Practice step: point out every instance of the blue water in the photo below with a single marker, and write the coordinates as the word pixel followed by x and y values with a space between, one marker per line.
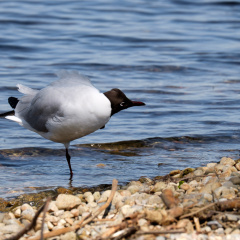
pixel 182 58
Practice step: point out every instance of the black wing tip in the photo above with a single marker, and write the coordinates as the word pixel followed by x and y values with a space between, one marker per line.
pixel 11 113
pixel 13 101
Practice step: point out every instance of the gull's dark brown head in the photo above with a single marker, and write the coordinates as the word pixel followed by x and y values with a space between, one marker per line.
pixel 119 101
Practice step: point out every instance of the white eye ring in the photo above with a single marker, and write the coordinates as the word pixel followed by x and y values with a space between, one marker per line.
pixel 122 104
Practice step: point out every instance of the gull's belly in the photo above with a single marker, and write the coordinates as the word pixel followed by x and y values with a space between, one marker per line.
pixel 71 129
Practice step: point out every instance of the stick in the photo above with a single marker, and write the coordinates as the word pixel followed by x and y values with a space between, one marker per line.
pixel 225 205
pixel 197 211
pixel 197 224
pixel 44 215
pixel 122 225
pixel 85 220
pixel 161 232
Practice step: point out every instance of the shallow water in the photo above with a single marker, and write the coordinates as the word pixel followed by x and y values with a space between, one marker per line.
pixel 180 57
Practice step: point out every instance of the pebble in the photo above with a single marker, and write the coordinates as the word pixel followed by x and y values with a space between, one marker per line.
pixel 159 186
pixel 28 214
pixel 227 161
pixel 66 201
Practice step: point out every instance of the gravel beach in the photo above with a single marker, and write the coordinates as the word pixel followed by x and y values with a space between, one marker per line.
pixel 201 203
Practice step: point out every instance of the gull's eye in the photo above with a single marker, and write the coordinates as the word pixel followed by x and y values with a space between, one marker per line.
pixel 122 104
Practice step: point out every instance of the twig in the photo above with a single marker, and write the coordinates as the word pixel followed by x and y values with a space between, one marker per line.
pixel 85 220
pixel 225 205
pixel 197 224
pixel 125 224
pixel 161 232
pixel 31 225
pixel 127 232
pixel 197 211
pixel 44 215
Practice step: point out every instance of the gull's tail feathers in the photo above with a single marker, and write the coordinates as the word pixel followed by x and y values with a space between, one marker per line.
pixel 26 90
pixel 6 114
pixel 10 116
pixel 14 118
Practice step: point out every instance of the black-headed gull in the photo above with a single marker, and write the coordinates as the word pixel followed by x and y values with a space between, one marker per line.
pixel 67 109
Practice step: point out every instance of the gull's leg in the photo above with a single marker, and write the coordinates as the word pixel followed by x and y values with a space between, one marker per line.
pixel 68 157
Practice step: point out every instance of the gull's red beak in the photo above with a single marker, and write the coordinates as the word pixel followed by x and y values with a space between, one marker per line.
pixel 135 103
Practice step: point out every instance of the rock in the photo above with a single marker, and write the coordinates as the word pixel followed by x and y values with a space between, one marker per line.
pixel 154 216
pixel 226 173
pixel 235 180
pixel 101 165
pixel 231 217
pixel 185 186
pixel 17 213
pixel 59 213
pixel 142 222
pixel 125 193
pixel 69 236
pixel 92 205
pixel 69 220
pixel 62 190
pixel 52 207
pixel 66 214
pixel 50 225
pixel 198 172
pixel 61 222
pixel 75 212
pixel 65 201
pixel 13 228
pixel 227 161
pixel 137 183
pixel 28 214
pixel 219 168
pixel 211 165
pixel 185 223
pixel 104 197
pixel 125 209
pixel 133 189
pixel 174 172
pixel 154 200
pixel 193 183
pixel 224 192
pixel 26 206
pixel 210 187
pixel 236 232
pixel 219 231
pixel 208 197
pixel 214 224
pixel 90 198
pixel 186 171
pixel 228 184
pixel 96 196
pixel 145 180
pixel 237 166
pixel 82 209
pixel 2 217
pixel 159 186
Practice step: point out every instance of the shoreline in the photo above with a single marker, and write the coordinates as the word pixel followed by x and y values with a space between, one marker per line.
pixel 200 203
